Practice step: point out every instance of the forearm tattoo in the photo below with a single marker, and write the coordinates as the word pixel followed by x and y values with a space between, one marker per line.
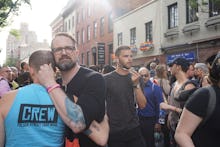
pixel 75 114
pixel 88 131
pixel 95 127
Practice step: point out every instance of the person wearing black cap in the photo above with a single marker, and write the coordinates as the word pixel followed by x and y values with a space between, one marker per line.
pixel 178 68
pixel 198 126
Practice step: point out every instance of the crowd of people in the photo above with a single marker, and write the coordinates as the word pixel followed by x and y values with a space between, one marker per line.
pixel 54 101
pixel 12 78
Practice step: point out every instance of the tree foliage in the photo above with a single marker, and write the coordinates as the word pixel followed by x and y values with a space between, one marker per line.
pixel 202 4
pixel 15 33
pixel 11 61
pixel 10 8
pixel 194 3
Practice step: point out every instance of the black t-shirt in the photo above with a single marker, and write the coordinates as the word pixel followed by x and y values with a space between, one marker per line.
pixel 89 87
pixel 120 103
pixel 209 133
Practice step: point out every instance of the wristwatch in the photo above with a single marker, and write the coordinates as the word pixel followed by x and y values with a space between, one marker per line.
pixel 137 86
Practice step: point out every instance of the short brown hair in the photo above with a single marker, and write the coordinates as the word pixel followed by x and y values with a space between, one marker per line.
pixel 66 35
pixel 120 48
pixel 41 57
pixel 160 69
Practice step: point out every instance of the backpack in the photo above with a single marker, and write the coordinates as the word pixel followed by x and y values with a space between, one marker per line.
pixel 211 103
pixel 185 94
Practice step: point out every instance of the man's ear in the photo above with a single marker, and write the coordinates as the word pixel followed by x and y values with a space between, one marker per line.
pixel 31 70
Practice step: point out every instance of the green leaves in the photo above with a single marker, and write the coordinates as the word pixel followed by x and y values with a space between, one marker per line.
pixel 203 4
pixel 10 8
pixel 193 3
pixel 15 33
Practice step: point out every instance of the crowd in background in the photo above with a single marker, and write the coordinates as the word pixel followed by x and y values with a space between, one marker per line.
pixel 160 83
pixel 172 79
pixel 12 78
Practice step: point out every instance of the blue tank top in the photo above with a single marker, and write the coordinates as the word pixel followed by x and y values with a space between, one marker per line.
pixel 33 120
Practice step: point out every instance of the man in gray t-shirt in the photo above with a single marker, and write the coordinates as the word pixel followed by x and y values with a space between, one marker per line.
pixel 121 85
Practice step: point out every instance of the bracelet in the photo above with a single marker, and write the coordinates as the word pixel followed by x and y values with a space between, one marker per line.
pixel 49 89
pixel 175 109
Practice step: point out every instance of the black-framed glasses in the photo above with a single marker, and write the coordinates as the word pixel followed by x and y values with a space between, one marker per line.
pixel 145 76
pixel 68 49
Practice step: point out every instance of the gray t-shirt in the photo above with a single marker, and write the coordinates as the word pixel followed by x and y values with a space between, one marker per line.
pixel 120 102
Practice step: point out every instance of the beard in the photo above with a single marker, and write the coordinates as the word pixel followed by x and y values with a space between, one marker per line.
pixel 65 63
pixel 124 66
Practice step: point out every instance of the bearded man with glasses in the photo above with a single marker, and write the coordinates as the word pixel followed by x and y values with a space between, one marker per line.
pixel 83 105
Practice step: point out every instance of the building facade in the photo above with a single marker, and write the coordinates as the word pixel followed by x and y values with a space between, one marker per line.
pixel 191 31
pixel 57 25
pixel 93 25
pixel 20 47
pixel 164 30
pixel 141 30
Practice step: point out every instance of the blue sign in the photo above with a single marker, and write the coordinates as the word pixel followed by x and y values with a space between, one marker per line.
pixel 190 56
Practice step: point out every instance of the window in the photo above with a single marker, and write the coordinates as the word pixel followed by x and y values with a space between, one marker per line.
pixel 95 29
pixel 77 37
pixel 73 21
pixel 148 31
pixel 172 16
pixel 119 39
pixel 89 9
pixel 110 23
pixel 83 14
pixel 191 12
pixel 88 63
pixel 65 27
pixel 132 36
pixel 214 8
pixel 88 33
pixel 69 24
pixel 82 58
pixel 77 18
pixel 102 26
pixel 83 36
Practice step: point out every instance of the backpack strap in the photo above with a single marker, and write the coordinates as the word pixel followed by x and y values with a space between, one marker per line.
pixel 211 104
pixel 188 82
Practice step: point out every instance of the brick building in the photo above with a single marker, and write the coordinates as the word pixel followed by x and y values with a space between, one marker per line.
pixel 94 28
pixel 91 23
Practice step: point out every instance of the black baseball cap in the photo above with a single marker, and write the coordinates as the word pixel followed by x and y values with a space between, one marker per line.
pixel 180 61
